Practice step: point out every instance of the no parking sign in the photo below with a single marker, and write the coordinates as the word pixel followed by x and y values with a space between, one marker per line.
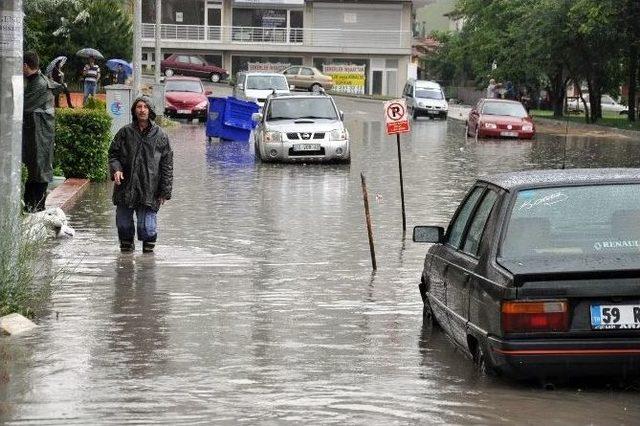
pixel 396 117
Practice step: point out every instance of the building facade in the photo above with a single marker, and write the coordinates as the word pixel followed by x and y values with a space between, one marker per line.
pixel 271 34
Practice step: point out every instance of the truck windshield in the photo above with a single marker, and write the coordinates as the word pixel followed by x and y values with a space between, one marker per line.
pixel 292 108
pixel 556 225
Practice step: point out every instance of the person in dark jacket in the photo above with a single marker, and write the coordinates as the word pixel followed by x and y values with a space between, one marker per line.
pixel 141 165
pixel 58 76
pixel 37 132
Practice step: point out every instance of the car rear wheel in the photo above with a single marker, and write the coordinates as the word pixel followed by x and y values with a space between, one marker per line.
pixel 168 72
pixel 482 361
pixel 315 88
pixel 214 77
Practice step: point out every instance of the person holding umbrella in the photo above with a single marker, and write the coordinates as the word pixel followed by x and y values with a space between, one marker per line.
pixel 58 76
pixel 91 76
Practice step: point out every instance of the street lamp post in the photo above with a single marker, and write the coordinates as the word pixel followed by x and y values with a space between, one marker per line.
pixel 137 46
pixel 11 101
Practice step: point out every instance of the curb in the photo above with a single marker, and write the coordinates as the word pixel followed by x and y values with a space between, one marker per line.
pixel 66 194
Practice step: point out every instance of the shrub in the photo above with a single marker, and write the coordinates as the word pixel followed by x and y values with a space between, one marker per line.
pixel 95 103
pixel 82 143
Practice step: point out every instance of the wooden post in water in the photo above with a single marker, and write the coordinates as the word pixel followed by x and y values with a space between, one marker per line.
pixel 365 197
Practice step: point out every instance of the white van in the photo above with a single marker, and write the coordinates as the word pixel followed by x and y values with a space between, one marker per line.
pixel 425 98
pixel 256 86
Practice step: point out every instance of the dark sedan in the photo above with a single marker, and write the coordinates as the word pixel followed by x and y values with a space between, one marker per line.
pixel 538 273
pixel 192 65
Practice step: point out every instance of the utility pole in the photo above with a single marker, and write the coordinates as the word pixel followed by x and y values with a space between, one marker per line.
pixel 11 102
pixel 158 54
pixel 137 46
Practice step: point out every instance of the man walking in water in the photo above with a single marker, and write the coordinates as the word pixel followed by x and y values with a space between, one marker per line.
pixel 141 165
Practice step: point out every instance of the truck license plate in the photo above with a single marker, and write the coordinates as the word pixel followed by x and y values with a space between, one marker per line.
pixel 306 147
pixel 607 317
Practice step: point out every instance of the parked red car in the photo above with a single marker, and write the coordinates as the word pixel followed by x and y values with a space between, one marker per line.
pixel 185 97
pixel 495 118
pixel 192 65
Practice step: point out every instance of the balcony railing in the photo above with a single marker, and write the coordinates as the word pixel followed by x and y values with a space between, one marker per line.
pixel 312 37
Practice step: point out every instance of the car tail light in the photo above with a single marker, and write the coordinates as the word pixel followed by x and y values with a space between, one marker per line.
pixel 527 317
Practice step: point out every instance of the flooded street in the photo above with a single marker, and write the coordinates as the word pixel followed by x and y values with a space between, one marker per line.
pixel 259 304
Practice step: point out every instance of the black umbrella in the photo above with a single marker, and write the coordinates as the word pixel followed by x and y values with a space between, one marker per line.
pixel 89 52
pixel 52 64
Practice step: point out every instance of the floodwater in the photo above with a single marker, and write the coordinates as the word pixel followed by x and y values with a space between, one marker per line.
pixel 260 306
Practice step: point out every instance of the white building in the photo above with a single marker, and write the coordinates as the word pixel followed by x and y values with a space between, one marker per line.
pixel 234 33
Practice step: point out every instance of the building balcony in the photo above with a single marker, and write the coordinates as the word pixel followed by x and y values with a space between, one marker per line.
pixel 291 39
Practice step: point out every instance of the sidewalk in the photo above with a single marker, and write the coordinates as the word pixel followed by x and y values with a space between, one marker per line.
pixel 65 194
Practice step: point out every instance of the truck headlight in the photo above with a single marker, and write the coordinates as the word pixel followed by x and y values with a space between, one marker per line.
pixel 272 137
pixel 339 135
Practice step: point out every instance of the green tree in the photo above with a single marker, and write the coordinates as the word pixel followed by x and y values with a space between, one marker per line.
pixel 62 27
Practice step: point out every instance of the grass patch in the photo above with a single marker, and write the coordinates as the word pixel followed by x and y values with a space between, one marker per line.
pixel 26 278
pixel 608 120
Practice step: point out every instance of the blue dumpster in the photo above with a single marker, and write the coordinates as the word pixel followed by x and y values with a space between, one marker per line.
pixel 230 118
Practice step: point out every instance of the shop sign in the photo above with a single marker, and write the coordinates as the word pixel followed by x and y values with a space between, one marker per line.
pixel 346 78
pixel 266 66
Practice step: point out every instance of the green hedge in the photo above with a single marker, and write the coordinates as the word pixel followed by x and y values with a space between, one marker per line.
pixel 82 143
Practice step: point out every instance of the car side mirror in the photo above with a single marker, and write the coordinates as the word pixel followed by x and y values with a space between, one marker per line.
pixel 239 86
pixel 409 95
pixel 428 234
pixel 292 87
pixel 208 92
pixel 256 117
pixel 341 115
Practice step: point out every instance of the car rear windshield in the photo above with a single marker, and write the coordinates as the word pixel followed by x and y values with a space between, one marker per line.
pixel 262 82
pixel 292 108
pixel 554 225
pixel 429 94
pixel 183 86
pixel 504 108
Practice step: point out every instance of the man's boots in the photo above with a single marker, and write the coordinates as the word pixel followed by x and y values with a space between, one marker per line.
pixel 148 246
pixel 127 246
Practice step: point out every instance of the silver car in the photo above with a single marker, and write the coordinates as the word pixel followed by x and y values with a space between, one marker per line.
pixel 301 128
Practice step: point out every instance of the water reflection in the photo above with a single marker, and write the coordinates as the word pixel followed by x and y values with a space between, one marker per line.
pixel 139 334
pixel 260 304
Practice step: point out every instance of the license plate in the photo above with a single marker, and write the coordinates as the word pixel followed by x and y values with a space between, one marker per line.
pixel 509 134
pixel 306 147
pixel 606 317
pixel 184 111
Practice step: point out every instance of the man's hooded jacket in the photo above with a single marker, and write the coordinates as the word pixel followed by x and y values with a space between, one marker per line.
pixel 146 161
pixel 38 124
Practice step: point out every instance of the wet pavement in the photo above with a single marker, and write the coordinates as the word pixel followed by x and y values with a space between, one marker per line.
pixel 260 304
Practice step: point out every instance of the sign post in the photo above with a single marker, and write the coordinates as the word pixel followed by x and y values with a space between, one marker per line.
pixel 397 122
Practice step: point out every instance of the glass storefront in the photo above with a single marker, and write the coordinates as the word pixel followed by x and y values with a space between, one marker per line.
pixel 262 63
